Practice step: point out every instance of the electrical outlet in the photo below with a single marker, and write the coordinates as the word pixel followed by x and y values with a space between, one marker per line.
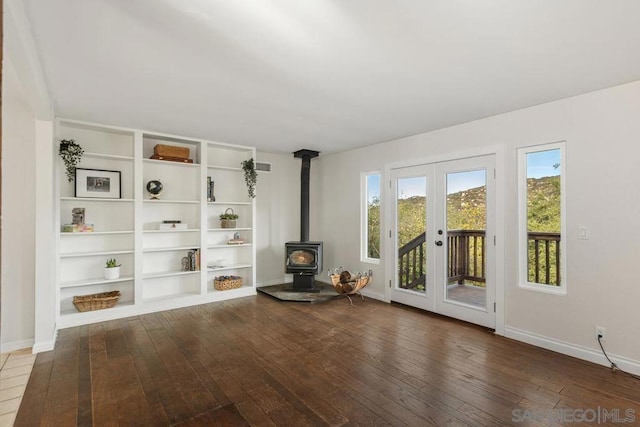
pixel 601 332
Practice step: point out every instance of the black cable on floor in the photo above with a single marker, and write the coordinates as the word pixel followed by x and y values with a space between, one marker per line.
pixel 613 365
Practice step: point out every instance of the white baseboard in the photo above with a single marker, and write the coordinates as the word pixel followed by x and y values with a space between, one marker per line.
pixel 574 350
pixel 48 345
pixel 8 347
pixel 374 295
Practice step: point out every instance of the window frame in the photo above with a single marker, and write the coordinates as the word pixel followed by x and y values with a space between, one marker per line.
pixel 364 217
pixel 523 239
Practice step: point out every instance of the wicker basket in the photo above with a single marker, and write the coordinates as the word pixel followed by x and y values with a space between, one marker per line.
pixel 228 223
pixel 224 284
pixel 96 301
pixel 171 151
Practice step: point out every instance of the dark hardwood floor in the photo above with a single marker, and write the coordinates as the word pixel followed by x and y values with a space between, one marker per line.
pixel 258 361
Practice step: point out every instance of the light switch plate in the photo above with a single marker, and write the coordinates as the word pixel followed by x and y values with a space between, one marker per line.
pixel 583 232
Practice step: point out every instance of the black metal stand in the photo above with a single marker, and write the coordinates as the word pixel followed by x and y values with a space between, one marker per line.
pixel 304 283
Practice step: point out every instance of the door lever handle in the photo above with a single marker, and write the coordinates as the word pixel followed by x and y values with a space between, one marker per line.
pixel 438 242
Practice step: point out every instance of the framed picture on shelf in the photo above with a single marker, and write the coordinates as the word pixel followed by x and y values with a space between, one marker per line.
pixel 102 184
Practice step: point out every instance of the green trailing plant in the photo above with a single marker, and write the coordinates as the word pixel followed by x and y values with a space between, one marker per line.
pixel 71 153
pixel 250 176
pixel 228 216
pixel 112 263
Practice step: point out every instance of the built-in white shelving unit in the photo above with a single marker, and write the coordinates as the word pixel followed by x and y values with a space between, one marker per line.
pixel 128 228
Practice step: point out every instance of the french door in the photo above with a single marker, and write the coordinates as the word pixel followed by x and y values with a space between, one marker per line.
pixel 444 244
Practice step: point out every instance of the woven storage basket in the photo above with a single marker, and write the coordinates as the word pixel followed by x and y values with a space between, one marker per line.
pixel 228 223
pixel 221 284
pixel 171 151
pixel 96 301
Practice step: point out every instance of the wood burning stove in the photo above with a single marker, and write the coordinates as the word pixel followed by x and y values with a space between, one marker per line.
pixel 303 259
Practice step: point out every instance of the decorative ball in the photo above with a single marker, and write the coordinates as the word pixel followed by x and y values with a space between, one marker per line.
pixel 154 187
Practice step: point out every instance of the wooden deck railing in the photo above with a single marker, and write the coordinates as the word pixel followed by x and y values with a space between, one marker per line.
pixel 544 258
pixel 467 258
pixel 411 263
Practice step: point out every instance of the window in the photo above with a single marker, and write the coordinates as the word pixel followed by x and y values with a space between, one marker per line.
pixel 541 211
pixel 370 217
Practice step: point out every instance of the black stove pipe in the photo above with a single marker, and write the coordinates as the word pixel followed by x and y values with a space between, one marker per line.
pixel 305 171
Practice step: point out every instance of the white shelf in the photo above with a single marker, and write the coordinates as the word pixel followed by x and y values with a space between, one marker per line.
pixel 106 156
pixel 127 228
pixel 175 202
pixel 170 163
pixel 90 282
pixel 228 246
pixel 95 233
pixel 98 253
pixel 230 292
pixel 229 203
pixel 228 267
pixel 97 313
pixel 188 230
pixel 171 297
pixel 169 249
pixel 93 199
pixel 224 168
pixel 169 274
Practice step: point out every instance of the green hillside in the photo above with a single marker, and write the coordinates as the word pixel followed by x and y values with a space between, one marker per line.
pixel 466 210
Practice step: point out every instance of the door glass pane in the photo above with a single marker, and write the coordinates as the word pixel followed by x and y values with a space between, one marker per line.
pixel 412 214
pixel 466 223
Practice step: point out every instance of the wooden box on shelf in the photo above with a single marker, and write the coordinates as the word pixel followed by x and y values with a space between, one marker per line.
pixel 171 151
pixel 96 301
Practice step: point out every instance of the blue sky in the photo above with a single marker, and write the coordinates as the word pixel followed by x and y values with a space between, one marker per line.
pixel 541 163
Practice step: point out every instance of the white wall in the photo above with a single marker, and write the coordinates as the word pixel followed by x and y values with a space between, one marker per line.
pixel 277 213
pixel 18 207
pixel 601 130
pixel 27 226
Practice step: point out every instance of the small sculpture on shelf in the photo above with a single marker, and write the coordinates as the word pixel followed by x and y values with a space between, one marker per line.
pixel 236 239
pixel 77 216
pixel 155 189
pixel 211 197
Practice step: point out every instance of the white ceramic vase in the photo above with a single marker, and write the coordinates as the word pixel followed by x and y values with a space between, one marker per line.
pixel 112 273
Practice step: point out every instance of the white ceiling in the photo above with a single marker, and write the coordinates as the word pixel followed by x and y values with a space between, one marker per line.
pixel 327 75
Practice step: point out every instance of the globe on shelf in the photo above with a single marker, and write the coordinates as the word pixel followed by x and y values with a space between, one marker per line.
pixel 154 187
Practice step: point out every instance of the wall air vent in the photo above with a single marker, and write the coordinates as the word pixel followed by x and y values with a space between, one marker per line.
pixel 263 167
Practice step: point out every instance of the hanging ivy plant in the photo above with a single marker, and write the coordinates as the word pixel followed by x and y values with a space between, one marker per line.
pixel 250 176
pixel 71 153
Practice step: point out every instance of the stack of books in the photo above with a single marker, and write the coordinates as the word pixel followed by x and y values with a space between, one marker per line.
pixel 77 228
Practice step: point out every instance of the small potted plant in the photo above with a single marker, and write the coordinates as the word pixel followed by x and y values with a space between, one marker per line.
pixel 228 219
pixel 71 154
pixel 112 269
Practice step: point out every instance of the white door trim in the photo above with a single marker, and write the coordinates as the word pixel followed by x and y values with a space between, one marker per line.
pixel 499 151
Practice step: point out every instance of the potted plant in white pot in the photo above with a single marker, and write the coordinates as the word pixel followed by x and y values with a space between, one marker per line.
pixel 112 269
